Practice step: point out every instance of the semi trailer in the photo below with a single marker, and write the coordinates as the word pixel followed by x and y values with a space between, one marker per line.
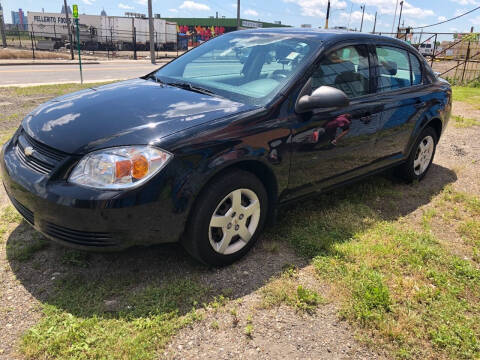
pixel 103 32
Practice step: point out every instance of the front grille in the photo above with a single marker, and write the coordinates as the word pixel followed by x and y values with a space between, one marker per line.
pixel 86 238
pixel 44 158
pixel 27 214
pixel 31 162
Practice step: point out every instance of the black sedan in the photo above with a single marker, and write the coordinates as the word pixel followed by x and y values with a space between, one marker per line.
pixel 205 149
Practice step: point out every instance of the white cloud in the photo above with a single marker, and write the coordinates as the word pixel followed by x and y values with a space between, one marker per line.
pixel 88 2
pixel 317 7
pixel 357 16
pixel 173 10
pixel 250 12
pixel 141 2
pixel 442 18
pixel 466 2
pixel 192 5
pixel 125 7
pixel 388 7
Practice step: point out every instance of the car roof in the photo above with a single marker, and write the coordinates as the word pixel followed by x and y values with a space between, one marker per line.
pixel 330 35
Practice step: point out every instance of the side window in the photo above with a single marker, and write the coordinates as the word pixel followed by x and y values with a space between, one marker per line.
pixel 346 69
pixel 416 70
pixel 393 68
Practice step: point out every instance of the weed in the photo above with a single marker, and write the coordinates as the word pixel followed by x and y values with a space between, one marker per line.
pixel 463 122
pixel 214 325
pixel 11 216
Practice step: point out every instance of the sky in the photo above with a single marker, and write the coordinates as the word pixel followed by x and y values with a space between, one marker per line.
pixel 291 12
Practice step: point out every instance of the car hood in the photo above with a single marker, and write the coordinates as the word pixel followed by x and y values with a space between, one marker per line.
pixel 125 113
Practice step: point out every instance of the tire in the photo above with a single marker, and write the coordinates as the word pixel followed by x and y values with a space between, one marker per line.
pixel 421 156
pixel 239 202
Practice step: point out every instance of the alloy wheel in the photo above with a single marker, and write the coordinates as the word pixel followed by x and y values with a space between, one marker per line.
pixel 234 221
pixel 423 155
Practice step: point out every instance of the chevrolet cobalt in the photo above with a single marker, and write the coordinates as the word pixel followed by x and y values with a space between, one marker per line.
pixel 205 149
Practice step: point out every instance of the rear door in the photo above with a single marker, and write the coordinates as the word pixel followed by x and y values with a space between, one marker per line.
pixel 329 145
pixel 400 92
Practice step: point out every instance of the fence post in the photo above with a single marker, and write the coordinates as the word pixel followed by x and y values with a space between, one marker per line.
pixel 19 36
pixel 134 43
pixel 33 47
pixel 434 49
pixel 467 57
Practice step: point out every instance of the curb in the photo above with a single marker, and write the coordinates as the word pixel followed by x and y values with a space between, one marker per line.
pixel 50 63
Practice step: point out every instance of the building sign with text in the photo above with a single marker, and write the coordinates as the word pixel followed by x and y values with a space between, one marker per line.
pixel 251 24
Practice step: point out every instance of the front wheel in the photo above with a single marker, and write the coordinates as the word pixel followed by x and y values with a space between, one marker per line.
pixel 421 156
pixel 227 218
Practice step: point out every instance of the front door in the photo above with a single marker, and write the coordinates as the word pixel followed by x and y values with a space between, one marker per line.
pixel 330 145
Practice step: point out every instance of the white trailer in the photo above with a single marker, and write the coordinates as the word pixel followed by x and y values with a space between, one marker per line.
pixel 105 30
pixel 54 25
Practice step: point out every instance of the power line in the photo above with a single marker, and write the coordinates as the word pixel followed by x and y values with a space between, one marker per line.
pixel 445 21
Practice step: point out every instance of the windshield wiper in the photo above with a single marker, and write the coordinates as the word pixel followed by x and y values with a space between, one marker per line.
pixel 155 78
pixel 190 87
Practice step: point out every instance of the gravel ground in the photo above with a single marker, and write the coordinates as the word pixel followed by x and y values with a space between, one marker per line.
pixel 278 332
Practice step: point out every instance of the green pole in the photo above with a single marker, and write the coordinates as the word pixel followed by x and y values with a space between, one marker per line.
pixel 79 56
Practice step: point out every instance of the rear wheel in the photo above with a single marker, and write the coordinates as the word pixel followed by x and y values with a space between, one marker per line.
pixel 227 218
pixel 421 156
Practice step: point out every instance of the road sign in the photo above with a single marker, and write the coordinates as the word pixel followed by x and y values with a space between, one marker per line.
pixel 75 11
pixel 78 45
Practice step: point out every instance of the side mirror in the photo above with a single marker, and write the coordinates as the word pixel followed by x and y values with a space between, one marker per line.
pixel 322 97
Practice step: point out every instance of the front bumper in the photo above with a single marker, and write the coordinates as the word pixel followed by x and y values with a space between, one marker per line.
pixel 88 218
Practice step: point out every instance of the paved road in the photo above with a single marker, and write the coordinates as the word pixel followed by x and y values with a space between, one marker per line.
pixel 54 74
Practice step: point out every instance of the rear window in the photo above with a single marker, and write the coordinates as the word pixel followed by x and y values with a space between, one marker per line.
pixel 393 69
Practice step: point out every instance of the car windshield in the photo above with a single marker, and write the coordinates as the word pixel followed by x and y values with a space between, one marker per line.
pixel 244 67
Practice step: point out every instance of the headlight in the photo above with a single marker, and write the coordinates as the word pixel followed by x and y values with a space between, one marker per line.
pixel 119 168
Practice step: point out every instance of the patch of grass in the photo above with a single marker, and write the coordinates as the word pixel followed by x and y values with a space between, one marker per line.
pixel 286 290
pixel 75 258
pixel 407 290
pixel 25 250
pixel 402 289
pixel 248 330
pixel 77 325
pixel 214 325
pixel 11 216
pixel 6 135
pixel 470 95
pixel 27 54
pixel 53 90
pixel 463 122
pixel 307 300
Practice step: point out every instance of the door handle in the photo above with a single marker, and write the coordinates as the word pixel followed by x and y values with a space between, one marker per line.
pixel 366 119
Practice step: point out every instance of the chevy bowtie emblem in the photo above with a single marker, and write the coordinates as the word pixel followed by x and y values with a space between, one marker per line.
pixel 28 151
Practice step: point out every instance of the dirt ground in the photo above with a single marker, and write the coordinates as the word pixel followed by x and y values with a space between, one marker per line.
pixel 279 332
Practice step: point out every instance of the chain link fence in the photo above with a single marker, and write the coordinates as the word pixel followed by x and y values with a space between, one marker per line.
pixel 53 41
pixel 454 56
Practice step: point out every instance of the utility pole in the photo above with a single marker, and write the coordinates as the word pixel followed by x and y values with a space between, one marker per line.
pixel 394 17
pixel 69 28
pixel 400 17
pixel 2 28
pixel 151 31
pixel 328 15
pixel 374 23
pixel 238 14
pixel 363 13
